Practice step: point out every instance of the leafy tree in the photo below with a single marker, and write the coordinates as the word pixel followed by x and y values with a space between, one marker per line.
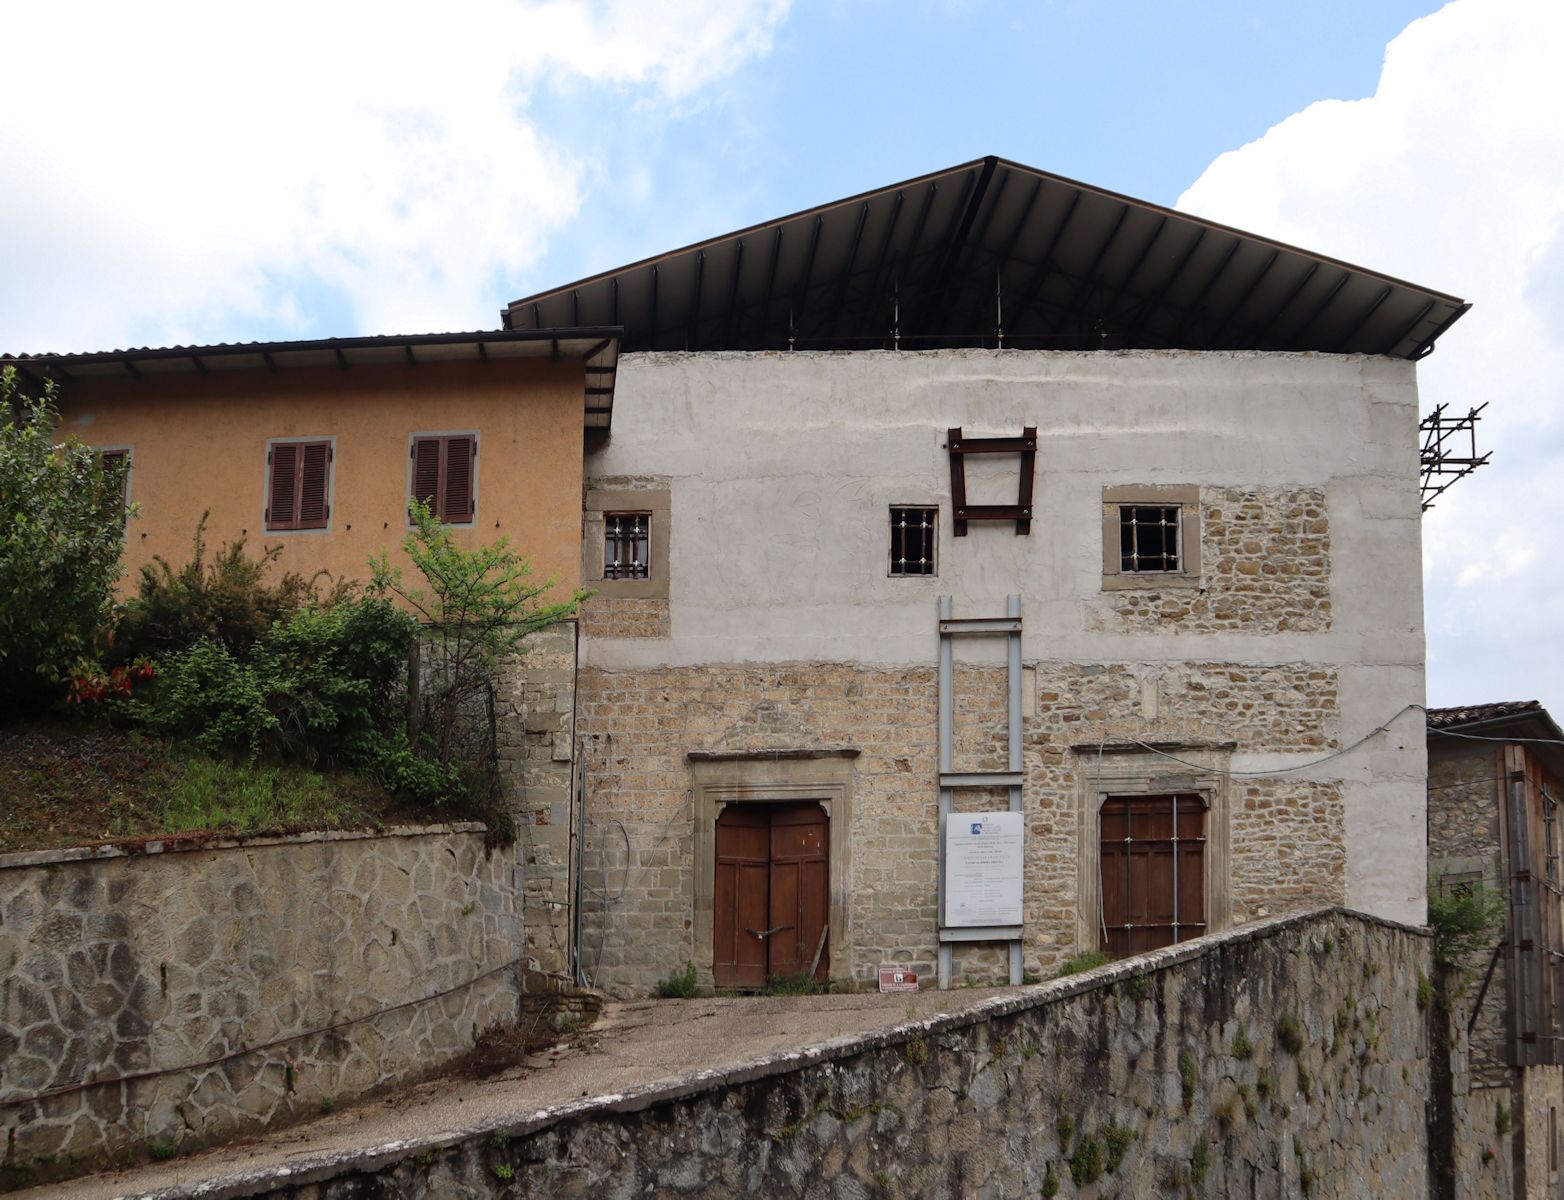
pixel 62 536
pixel 478 606
pixel 1464 919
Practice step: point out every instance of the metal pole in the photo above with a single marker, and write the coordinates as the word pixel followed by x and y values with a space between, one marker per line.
pixel 946 754
pixel 1013 683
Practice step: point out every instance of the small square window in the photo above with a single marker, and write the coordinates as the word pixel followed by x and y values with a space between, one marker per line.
pixel 1148 538
pixel 627 545
pixel 914 540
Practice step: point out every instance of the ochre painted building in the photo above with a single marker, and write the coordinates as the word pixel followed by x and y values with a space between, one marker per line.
pixel 317 447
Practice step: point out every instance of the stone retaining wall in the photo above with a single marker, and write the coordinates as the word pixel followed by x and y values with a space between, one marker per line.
pixel 188 991
pixel 1288 1058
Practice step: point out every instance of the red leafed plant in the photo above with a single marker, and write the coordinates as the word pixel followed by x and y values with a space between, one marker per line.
pixel 88 684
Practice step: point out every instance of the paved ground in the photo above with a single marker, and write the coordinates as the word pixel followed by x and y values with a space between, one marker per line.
pixel 632 1045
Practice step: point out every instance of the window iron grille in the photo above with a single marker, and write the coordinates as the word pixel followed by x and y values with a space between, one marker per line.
pixel 1149 538
pixel 627 540
pixel 913 540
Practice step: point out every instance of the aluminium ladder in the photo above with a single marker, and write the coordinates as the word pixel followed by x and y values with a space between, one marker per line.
pixel 949 780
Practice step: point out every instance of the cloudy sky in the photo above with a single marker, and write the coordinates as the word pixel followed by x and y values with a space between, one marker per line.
pixel 193 173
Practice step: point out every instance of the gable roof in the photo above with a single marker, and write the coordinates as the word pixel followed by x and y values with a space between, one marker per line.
pixel 957 257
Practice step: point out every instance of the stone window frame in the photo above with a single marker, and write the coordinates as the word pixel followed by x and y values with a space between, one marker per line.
pixel 652 498
pixel 773 777
pixel 1187 498
pixel 1117 769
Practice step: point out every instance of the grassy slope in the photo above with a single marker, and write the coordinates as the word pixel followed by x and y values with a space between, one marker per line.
pixel 73 785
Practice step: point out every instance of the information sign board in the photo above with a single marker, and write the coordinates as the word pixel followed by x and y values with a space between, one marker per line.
pixel 983 868
pixel 898 979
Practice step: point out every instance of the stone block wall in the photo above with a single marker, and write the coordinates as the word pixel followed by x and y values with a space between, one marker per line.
pixel 190 991
pixel 1287 1059
pixel 1287 834
pixel 1265 555
pixel 625 617
pixel 1463 847
pixel 535 704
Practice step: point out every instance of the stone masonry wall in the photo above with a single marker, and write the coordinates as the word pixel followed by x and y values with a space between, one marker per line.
pixel 536 731
pixel 1287 1059
pixel 1287 835
pixel 1265 559
pixel 176 995
pixel 624 617
pixel 1463 846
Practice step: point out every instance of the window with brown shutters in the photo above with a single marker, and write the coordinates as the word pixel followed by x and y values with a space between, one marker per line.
pixel 118 460
pixel 299 485
pixel 444 467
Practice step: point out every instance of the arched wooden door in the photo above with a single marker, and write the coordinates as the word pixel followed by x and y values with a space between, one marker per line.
pixel 771 900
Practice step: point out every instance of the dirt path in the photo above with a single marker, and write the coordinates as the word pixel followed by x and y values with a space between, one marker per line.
pixel 632 1045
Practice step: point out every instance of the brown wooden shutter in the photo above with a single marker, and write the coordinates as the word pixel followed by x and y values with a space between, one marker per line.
pixel 314 480
pixel 111 461
pixel 426 472
pixel 282 511
pixel 456 496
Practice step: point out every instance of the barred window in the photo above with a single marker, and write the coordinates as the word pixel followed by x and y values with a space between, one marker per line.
pixel 913 540
pixel 627 545
pixel 1148 538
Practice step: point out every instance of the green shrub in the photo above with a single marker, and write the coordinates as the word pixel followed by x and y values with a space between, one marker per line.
pixel 1117 1138
pixel 1087 960
pixel 226 600
pixel 1086 1163
pixel 679 985
pixel 1463 919
pixel 208 696
pixel 62 534
pixel 1243 1049
pixel 1199 1163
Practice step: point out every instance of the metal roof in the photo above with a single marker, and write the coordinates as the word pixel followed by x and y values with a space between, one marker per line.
pixel 995 253
pixel 596 346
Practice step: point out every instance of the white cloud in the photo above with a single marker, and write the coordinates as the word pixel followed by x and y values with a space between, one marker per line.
pixel 195 170
pixel 1452 175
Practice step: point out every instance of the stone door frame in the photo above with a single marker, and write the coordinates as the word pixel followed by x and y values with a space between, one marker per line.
pixel 772 777
pixel 1120 770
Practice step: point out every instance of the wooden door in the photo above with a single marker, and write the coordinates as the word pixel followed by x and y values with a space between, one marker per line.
pixel 1153 871
pixel 741 898
pixel 771 899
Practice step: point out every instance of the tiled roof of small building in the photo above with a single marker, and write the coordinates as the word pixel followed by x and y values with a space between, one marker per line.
pixel 1471 714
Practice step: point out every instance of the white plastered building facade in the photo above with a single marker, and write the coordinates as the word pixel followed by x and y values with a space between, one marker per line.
pixel 1212 537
